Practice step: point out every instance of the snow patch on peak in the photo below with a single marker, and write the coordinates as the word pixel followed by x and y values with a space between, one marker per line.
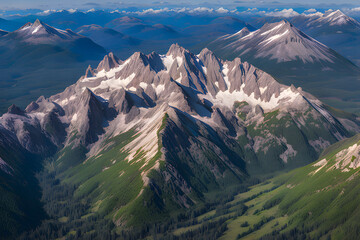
pixel 227 98
pixel 263 89
pixel 277 36
pixel 168 61
pixel 250 35
pixel 273 29
pixel 36 29
pixel 114 83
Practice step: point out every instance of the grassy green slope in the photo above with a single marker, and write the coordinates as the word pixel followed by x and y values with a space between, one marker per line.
pixel 299 204
pixel 111 186
pixel 279 131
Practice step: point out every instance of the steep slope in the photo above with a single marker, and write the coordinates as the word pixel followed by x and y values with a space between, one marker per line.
pixel 142 138
pixel 268 40
pixel 335 29
pixel 318 201
pixel 40 33
pixel 295 58
pixel 20 209
pixel 36 52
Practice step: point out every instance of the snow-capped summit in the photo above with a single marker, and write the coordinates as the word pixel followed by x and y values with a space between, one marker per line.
pixel 141 89
pixel 224 118
pixel 279 41
pixel 44 35
pixel 39 30
pixel 335 29
pixel 337 18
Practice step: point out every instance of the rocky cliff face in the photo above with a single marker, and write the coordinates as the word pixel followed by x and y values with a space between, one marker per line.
pixel 176 126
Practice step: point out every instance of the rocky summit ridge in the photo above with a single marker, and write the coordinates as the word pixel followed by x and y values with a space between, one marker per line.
pixel 178 123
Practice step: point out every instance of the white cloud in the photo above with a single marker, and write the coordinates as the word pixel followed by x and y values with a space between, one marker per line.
pixel 357 9
pixel 283 13
pixel 71 10
pixel 252 10
pixel 46 12
pixel 201 9
pixel 352 11
pixel 154 11
pixel 222 10
pixel 311 10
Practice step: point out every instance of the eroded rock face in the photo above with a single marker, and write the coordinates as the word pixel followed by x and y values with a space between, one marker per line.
pixel 209 121
pixel 202 86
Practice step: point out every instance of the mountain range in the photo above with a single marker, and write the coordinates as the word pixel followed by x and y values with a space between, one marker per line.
pixel 295 58
pixel 335 29
pixel 39 51
pixel 36 52
pixel 243 140
pixel 110 39
pixel 140 139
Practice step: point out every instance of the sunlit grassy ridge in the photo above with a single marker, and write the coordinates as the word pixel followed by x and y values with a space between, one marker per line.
pixel 298 204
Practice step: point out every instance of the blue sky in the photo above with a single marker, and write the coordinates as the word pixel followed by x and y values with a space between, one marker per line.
pixel 88 4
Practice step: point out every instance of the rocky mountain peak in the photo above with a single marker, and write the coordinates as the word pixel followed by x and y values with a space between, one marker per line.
pixel 244 31
pixel 338 18
pixel 39 32
pixel 279 41
pixel 26 25
pixel 37 23
pixel 196 111
pixel 176 50
pixel 89 72
pixel 13 109
pixel 206 52
pixel 109 61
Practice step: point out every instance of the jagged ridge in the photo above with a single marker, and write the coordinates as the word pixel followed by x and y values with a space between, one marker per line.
pixel 181 124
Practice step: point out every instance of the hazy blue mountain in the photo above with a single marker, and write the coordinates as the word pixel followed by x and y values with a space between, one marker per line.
pixel 9 25
pixel 138 28
pixel 38 59
pixel 2 33
pixel 112 40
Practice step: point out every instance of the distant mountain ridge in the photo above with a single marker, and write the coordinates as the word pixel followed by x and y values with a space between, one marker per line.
pixel 40 33
pixel 40 58
pixel 329 19
pixel 110 39
pixel 335 29
pixel 279 41
pixel 294 57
